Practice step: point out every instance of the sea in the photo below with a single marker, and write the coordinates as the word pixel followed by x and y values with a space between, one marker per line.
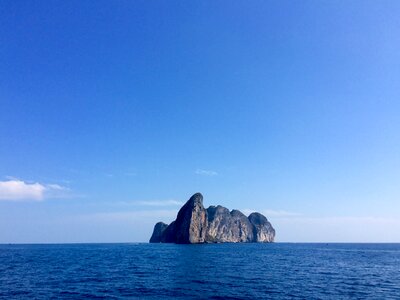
pixel 206 271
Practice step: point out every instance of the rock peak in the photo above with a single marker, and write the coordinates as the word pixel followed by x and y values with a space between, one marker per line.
pixel 196 198
pixel 216 224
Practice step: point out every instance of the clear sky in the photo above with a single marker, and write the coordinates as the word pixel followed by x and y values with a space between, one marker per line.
pixel 113 113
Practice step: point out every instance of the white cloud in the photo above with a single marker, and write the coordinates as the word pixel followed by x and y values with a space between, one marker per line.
pixel 18 190
pixel 206 172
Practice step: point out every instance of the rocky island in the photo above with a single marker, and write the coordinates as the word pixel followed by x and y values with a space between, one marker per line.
pixel 194 224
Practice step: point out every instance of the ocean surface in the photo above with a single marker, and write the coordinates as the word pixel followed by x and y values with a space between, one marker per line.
pixel 211 271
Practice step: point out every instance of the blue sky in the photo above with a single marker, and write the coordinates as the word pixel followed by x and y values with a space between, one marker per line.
pixel 112 114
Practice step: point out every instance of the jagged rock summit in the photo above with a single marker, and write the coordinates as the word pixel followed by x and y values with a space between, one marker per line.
pixel 194 224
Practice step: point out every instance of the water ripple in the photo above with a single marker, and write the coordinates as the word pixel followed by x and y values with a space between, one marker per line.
pixel 221 271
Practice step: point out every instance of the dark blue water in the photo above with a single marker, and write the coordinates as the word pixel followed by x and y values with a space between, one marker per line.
pixel 216 271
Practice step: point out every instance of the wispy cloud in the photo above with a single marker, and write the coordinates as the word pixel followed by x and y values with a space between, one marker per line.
pixel 141 203
pixel 280 213
pixel 273 213
pixel 131 215
pixel 206 172
pixel 159 203
pixel 118 175
pixel 14 189
pixel 56 187
pixel 337 229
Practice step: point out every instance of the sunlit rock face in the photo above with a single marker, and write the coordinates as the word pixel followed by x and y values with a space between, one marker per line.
pixel 225 226
pixel 216 224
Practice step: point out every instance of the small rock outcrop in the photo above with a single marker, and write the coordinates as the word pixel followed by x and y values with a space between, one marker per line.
pixel 158 232
pixel 216 224
pixel 262 228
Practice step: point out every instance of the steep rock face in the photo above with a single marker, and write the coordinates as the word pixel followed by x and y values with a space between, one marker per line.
pixel 216 224
pixel 263 230
pixel 169 234
pixel 191 222
pixel 225 226
pixel 158 232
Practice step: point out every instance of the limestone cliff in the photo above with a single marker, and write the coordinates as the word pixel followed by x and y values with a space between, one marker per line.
pixel 216 224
